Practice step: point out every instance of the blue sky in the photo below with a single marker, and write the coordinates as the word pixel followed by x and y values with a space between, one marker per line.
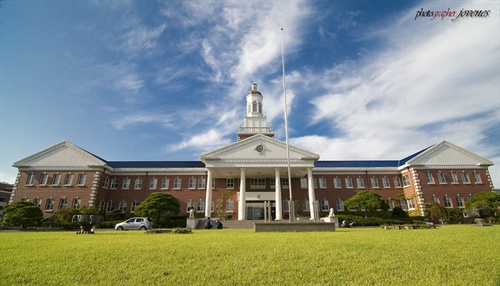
pixel 153 80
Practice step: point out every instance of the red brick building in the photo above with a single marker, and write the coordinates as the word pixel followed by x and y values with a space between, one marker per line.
pixel 237 179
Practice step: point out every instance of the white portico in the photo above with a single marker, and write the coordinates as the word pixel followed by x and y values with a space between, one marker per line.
pixel 257 156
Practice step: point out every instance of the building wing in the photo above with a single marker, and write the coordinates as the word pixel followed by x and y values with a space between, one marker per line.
pixel 64 156
pixel 447 154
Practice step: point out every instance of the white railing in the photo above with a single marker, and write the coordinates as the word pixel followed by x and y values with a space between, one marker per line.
pixel 256 129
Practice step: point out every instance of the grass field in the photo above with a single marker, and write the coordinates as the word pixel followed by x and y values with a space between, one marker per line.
pixel 448 255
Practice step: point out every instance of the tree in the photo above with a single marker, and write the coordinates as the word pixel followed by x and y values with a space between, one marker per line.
pixel 23 214
pixel 436 211
pixel 367 200
pixel 157 205
pixel 484 200
pixel 399 212
pixel 63 217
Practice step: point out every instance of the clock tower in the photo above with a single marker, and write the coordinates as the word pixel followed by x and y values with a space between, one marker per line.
pixel 254 120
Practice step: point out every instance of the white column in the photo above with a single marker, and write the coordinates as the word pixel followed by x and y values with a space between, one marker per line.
pixel 279 201
pixel 208 194
pixel 312 197
pixel 241 203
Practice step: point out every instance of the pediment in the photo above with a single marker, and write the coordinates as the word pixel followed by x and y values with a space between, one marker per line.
pixel 248 150
pixel 60 155
pixel 448 154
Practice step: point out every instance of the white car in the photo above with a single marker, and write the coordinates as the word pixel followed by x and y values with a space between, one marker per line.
pixel 141 223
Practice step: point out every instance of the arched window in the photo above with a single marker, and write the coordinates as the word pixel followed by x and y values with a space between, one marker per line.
pixel 254 106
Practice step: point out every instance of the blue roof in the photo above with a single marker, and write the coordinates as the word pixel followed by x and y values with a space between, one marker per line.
pixel 156 164
pixel 368 163
pixel 318 164
pixel 356 164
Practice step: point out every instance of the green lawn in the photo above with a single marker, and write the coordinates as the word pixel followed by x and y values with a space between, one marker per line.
pixel 448 255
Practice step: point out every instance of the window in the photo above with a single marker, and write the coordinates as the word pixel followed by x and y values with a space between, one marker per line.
pixel 25 199
pixel 386 183
pixel 230 183
pixel 229 206
pixel 360 182
pixel 303 183
pixel 406 181
pixel 430 178
pixel 411 204
pixel 138 183
pixel 465 177
pixel 30 179
pixel 123 206
pixel 348 183
pixel 49 204
pixel 258 183
pixel 322 183
pixel 202 183
pixel 447 202
pixel 305 205
pixel 441 178
pixel 477 178
pixel 200 207
pixel 152 183
pixel 190 205
pixel 126 183
pixel 453 177
pixel 374 182
pixel 324 205
pixel 132 207
pixel 164 183
pixel 68 179
pixel 192 183
pixel 286 205
pixel 77 203
pixel 43 179
pixel 397 182
pixel 460 201
pixel 272 183
pixel 337 183
pixel 81 179
pixel 315 183
pixel 63 203
pixel 55 179
pixel 111 206
pixel 105 182
pixel 37 202
pixel 402 204
pixel 435 199
pixel 114 183
pixel 102 204
pixel 340 205
pixel 213 183
pixel 284 183
pixel 390 203
pixel 177 183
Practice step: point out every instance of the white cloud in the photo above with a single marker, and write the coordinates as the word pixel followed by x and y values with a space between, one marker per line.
pixel 210 139
pixel 431 81
pixel 137 119
pixel 141 39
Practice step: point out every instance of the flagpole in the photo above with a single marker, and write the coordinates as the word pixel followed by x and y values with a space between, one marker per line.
pixel 291 206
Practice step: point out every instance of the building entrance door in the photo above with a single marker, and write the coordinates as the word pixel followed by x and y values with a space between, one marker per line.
pixel 255 210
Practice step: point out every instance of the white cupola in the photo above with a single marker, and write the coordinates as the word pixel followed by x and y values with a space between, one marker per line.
pixel 254 120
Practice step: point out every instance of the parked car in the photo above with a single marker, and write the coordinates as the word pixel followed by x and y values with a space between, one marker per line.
pixel 141 223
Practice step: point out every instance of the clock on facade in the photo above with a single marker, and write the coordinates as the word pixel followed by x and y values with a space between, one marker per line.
pixel 259 148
